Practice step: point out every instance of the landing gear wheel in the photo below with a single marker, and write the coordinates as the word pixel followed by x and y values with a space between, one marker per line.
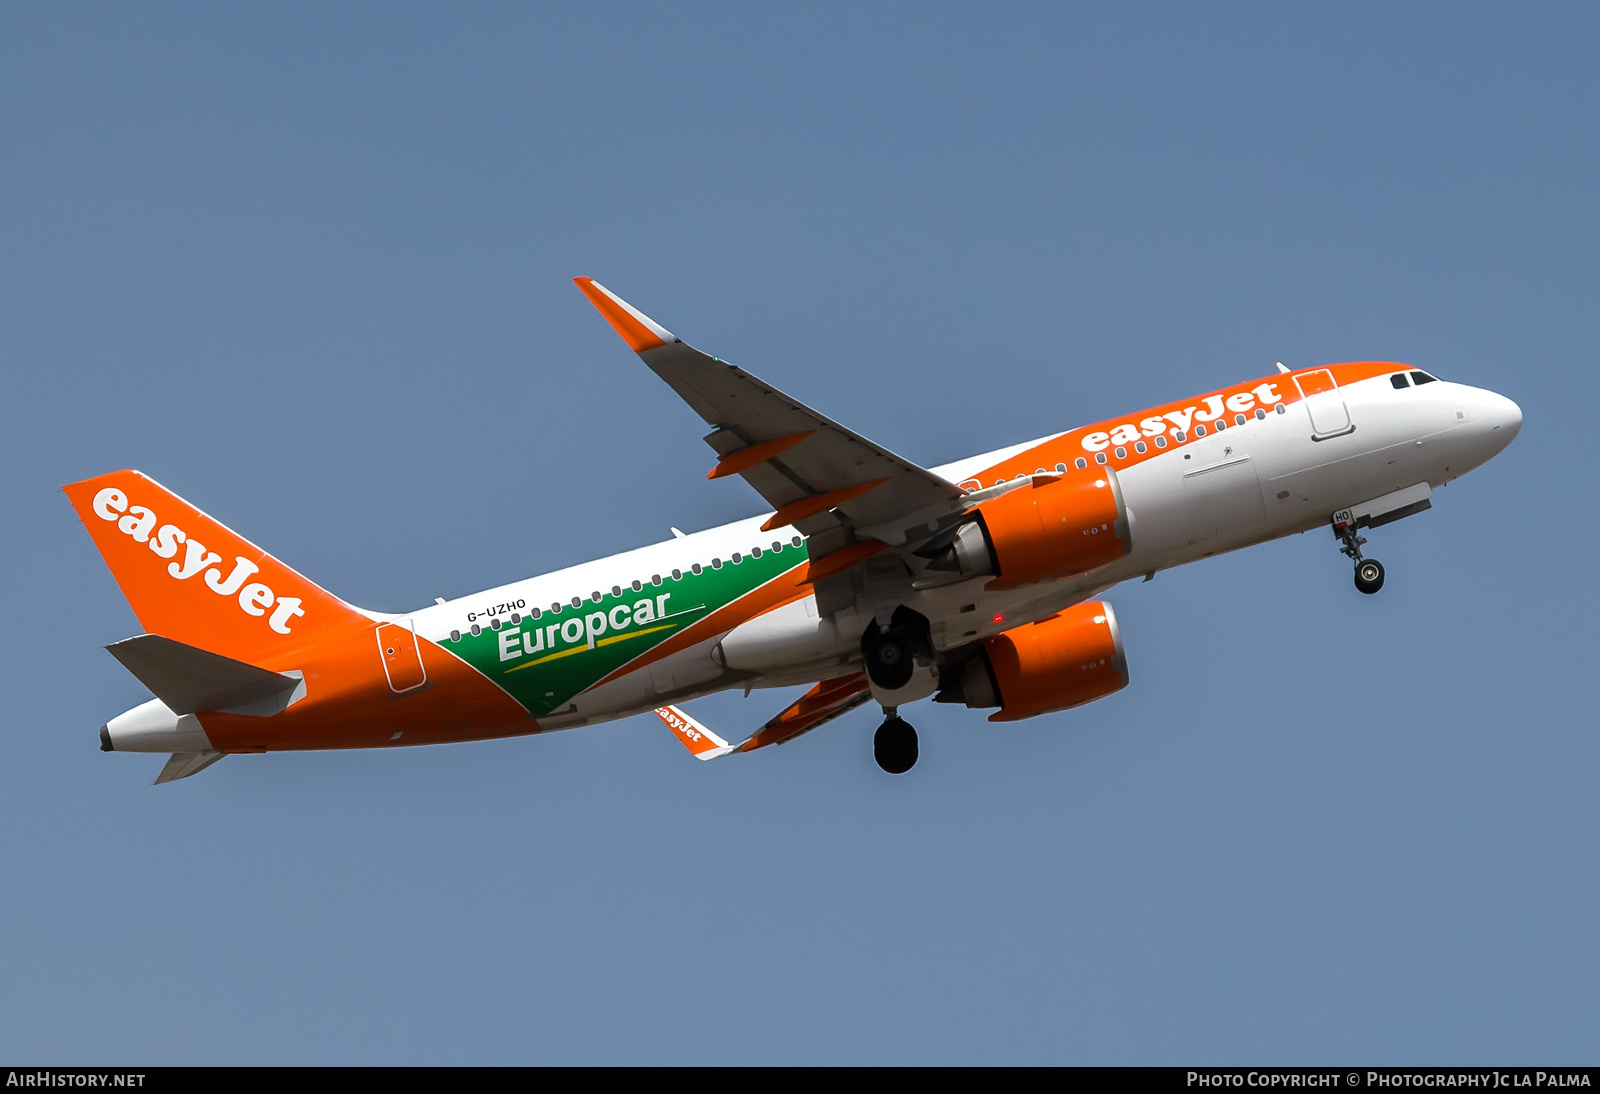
pixel 1369 575
pixel 894 746
pixel 889 661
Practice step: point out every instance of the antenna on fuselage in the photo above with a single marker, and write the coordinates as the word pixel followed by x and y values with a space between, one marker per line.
pixel 1283 367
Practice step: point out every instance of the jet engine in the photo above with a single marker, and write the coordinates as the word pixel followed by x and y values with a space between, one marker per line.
pixel 1072 658
pixel 1051 528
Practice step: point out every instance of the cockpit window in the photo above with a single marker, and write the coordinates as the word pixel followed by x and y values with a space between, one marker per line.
pixel 1399 380
pixel 1420 378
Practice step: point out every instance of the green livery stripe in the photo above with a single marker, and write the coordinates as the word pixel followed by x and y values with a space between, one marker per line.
pixel 544 663
pixel 613 640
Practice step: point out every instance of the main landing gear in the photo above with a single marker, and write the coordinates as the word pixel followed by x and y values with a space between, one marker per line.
pixel 894 746
pixel 1369 571
pixel 900 667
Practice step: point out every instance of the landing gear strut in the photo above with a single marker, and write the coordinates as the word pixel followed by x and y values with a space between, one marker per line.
pixel 894 746
pixel 1369 571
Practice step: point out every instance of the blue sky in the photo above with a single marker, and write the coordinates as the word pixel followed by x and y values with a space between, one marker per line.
pixel 309 267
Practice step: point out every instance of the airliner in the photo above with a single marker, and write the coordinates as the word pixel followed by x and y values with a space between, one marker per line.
pixel 869 579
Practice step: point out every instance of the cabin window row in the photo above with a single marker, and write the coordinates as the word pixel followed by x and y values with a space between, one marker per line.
pixel 1178 436
pixel 596 596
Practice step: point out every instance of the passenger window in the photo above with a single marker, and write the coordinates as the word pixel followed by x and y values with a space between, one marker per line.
pixel 1420 378
pixel 1161 442
pixel 1399 381
pixel 1199 431
pixel 455 636
pixel 1061 467
pixel 1261 415
pixel 1179 436
pixel 1122 453
pixel 1140 448
pixel 1080 463
pixel 1099 457
pixel 1238 419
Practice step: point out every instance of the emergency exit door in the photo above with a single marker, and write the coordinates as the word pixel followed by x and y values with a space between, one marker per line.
pixel 402 660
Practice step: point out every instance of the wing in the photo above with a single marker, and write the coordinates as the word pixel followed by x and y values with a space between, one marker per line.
pixel 825 701
pixel 813 471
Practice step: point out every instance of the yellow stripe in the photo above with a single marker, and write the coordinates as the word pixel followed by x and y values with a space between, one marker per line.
pixel 584 649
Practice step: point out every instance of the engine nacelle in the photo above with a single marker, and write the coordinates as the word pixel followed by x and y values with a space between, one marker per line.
pixel 1048 529
pixel 1072 658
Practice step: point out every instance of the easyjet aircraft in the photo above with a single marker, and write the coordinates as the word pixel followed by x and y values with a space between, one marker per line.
pixel 871 579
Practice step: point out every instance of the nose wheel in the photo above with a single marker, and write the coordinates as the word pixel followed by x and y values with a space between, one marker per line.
pixel 1369 571
pixel 894 746
pixel 1369 575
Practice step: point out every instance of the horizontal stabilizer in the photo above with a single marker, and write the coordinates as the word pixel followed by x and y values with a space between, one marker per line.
pixel 184 764
pixel 188 679
pixel 699 740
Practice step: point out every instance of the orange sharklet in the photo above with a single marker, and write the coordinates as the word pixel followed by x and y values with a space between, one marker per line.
pixel 638 336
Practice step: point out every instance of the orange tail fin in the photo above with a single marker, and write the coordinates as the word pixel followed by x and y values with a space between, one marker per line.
pixel 189 578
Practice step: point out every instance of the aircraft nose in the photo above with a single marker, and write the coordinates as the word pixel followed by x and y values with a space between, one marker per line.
pixel 1504 418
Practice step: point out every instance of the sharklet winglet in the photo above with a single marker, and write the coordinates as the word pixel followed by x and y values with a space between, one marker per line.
pixel 701 742
pixel 637 329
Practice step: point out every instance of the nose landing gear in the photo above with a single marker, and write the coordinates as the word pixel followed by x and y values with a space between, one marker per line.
pixel 1369 575
pixel 1369 571
pixel 894 746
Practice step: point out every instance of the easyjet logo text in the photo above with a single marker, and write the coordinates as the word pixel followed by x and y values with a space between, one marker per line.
pixel 1179 422
pixel 166 541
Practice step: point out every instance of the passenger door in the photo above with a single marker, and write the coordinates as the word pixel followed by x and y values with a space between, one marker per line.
pixel 1324 403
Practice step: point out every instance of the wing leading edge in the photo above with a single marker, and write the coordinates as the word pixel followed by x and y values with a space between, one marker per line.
pixel 810 469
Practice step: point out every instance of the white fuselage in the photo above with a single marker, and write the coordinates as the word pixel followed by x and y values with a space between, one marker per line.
pixel 1265 479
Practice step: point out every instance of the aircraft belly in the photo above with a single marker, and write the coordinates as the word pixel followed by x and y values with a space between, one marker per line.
pixel 790 635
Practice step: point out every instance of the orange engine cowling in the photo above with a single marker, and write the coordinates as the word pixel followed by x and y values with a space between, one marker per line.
pixel 1072 658
pixel 1056 527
